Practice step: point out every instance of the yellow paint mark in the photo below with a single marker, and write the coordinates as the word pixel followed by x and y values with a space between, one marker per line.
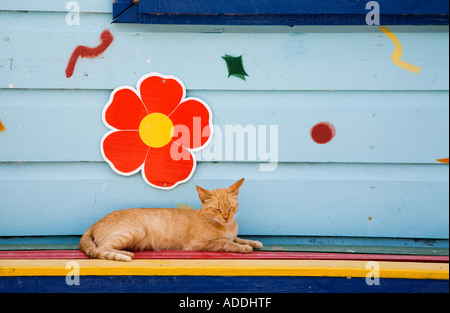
pixel 185 206
pixel 143 267
pixel 396 56
pixel 2 128
pixel 443 160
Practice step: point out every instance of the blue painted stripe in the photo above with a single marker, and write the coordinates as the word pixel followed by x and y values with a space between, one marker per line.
pixel 217 284
pixel 290 7
pixel 282 12
pixel 125 11
pixel 285 19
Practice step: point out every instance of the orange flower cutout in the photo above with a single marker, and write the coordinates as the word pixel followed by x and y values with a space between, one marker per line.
pixel 155 129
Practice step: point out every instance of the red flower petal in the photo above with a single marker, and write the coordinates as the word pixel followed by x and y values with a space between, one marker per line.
pixel 163 171
pixel 192 123
pixel 125 111
pixel 124 151
pixel 161 94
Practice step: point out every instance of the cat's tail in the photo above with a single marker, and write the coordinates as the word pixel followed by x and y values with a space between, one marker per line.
pixel 88 246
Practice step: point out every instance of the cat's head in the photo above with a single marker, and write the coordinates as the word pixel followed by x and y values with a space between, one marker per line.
pixel 220 205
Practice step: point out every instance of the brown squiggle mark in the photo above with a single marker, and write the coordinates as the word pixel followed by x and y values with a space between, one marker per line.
pixel 85 52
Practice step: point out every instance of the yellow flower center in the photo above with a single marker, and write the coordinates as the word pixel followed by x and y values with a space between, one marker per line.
pixel 156 130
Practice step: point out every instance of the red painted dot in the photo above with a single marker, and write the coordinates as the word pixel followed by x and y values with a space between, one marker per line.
pixel 323 132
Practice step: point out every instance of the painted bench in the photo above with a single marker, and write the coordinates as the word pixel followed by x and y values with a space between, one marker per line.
pixel 198 272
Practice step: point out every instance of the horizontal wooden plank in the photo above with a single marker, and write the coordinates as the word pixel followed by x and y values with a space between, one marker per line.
pixel 295 61
pixel 373 127
pixel 334 268
pixel 105 6
pixel 285 12
pixel 38 247
pixel 365 247
pixel 289 7
pixel 363 200
pixel 85 6
pixel 256 255
pixel 161 288
pixel 132 16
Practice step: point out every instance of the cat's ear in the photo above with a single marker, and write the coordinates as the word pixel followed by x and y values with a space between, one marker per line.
pixel 234 189
pixel 203 194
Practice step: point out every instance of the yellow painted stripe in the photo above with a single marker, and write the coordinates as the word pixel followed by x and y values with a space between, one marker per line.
pixel 398 52
pixel 410 270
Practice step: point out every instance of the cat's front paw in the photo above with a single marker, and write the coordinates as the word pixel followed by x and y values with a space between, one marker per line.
pixel 245 249
pixel 257 245
pixel 254 244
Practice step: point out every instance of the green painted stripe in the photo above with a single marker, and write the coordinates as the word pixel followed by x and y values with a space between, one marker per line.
pixel 358 249
pixel 273 248
pixel 21 247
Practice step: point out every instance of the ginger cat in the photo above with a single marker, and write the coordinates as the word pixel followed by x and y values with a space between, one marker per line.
pixel 211 228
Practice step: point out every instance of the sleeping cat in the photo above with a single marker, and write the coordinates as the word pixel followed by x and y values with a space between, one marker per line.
pixel 211 228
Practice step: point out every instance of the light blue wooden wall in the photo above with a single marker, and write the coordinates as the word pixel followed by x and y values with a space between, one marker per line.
pixel 377 178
